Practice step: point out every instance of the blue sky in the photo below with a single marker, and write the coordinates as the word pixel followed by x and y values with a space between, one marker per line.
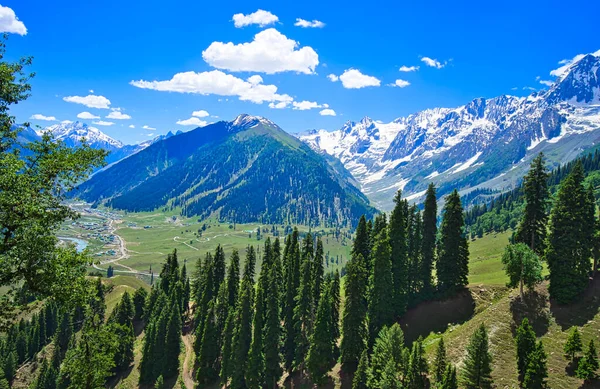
pixel 118 49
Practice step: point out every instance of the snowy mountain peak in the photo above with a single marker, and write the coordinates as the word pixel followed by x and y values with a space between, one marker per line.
pixel 580 84
pixel 72 133
pixel 245 121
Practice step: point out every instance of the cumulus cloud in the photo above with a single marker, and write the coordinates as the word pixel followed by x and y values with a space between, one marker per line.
pixel 333 78
pixel 305 105
pixel 131 126
pixel 354 79
pixel 216 82
pixel 103 123
pixel 309 24
pixel 270 52
pixel 10 23
pixel 87 116
pixel 147 127
pixel 39 116
pixel 407 69
pixel 193 121
pixel 260 17
pixel 567 63
pixel 200 114
pixel 280 105
pixel 90 101
pixel 432 62
pixel 327 112
pixel 400 83
pixel 66 122
pixel 117 114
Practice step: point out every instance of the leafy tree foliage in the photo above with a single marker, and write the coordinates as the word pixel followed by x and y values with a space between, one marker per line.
pixel 476 373
pixel 522 265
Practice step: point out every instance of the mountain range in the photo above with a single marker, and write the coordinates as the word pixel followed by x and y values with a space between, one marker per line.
pixel 244 170
pixel 486 143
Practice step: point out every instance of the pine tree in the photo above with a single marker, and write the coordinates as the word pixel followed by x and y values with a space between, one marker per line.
pixel 303 311
pixel 381 303
pixel 476 373
pixel 440 362
pixel 428 241
pixel 354 317
pixel 414 271
pixel 250 264
pixel 532 228
pixel 227 348
pixel 574 344
pixel 389 357
pixel 160 383
pixel 242 338
pixel 256 358
pixel 209 351
pixel 450 381
pixel 4 384
pixel 398 240
pixel 272 329
pixel 292 282
pixel 453 258
pixel 588 365
pixel 361 376
pixel 537 370
pixel 139 301
pixel 335 312
pixel 320 356
pixel 526 343
pixel 362 244
pixel 417 367
pixel 172 342
pixel 570 238
pixel 318 273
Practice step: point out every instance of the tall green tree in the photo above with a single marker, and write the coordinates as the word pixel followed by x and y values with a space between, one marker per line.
pixel 318 273
pixel 398 241
pixel 172 342
pixel 227 348
pixel 428 241
pixel 537 369
pixel 354 317
pixel 417 367
pixel 453 250
pixel 570 239
pixel 440 362
pixel 415 263
pixel 361 377
pixel 389 360
pixel 320 358
pixel 523 266
pixel 532 228
pixel 573 344
pixel 303 310
pixel 233 279
pixel 292 283
pixel 450 381
pixel 242 338
pixel 362 244
pixel 381 302
pixel 588 365
pixel 526 343
pixel 272 329
pixel 335 312
pixel 477 370
pixel 256 359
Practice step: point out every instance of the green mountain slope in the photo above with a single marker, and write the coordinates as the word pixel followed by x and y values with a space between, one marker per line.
pixel 241 171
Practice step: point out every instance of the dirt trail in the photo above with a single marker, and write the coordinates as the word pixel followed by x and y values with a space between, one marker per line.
pixel 188 363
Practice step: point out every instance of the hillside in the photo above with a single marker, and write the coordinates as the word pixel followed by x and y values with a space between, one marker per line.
pixel 486 143
pixel 242 171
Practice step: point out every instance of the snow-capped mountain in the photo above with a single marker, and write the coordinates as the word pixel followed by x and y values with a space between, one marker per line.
pixel 485 143
pixel 72 133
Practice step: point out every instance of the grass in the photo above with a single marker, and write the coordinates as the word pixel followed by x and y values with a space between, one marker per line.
pixel 485 267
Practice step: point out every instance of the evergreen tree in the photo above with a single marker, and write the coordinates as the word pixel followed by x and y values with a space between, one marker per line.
pixel 226 349
pixel 139 301
pixel 588 365
pixel 233 279
pixel 381 303
pixel 318 273
pixel 453 258
pixel 250 264
pixel 160 383
pixel 361 376
pixel 362 244
pixel 303 311
pixel 477 368
pixel 450 381
pixel 574 344
pixel 320 356
pixel 97 303
pixel 292 276
pixel 4 384
pixel 440 362
pixel 335 312
pixel 354 317
pixel 172 342
pixel 570 239
pixel 243 333
pixel 417 367
pixel 428 241
pixel 526 343
pixel 532 228
pixel 523 266
pixel 414 271
pixel 389 360
pixel 537 370
pixel 398 241
pixel 272 329
pixel 256 359
pixel 209 351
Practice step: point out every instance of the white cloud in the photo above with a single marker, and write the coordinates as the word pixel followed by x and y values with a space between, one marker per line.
pixel 200 114
pixel 333 78
pixel 103 123
pixel 87 115
pixel 255 79
pixel 131 126
pixel 407 69
pixel 193 121
pixel 270 52
pixel 147 127
pixel 216 82
pixel 354 79
pixel 432 62
pixel 39 116
pixel 260 17
pixel 309 24
pixel 91 91
pixel 567 63
pixel 117 114
pixel 327 112
pixel 66 122
pixel 10 23
pixel 90 101
pixel 280 105
pixel 400 83
pixel 305 105
pixel 529 88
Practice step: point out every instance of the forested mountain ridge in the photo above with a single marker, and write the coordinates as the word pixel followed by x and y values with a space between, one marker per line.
pixel 248 169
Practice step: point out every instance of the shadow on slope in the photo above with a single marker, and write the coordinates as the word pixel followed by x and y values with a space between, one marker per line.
pixel 533 306
pixel 581 311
